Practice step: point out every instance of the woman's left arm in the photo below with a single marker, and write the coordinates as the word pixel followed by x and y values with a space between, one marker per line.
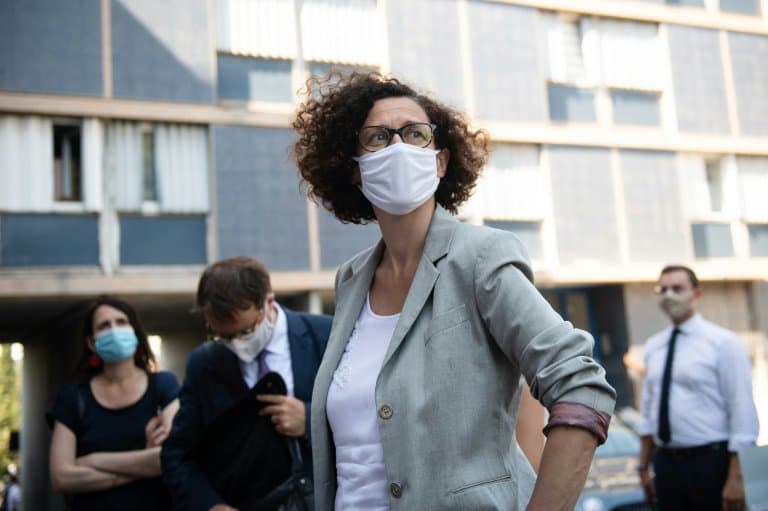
pixel 137 463
pixel 563 470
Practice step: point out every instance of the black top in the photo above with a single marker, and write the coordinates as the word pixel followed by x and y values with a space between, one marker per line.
pixel 100 429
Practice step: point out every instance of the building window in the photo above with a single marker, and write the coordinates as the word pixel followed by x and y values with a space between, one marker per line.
pixel 712 240
pixel 690 3
pixel 149 169
pixel 740 6
pixel 67 166
pixel 632 107
pixel 714 175
pixel 572 104
pixel 758 240
pixel 254 79
pixel 528 232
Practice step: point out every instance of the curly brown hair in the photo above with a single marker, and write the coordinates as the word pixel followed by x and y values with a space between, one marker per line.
pixel 327 126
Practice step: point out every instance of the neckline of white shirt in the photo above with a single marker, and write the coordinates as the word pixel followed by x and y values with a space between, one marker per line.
pixel 369 310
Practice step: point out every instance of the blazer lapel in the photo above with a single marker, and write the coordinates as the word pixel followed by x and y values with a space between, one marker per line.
pixel 298 346
pixel 438 241
pixel 352 291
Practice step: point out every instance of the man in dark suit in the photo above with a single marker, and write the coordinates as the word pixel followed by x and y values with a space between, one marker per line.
pixel 250 336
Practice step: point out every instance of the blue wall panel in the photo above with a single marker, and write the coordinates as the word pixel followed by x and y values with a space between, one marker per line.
pixel 260 210
pixel 509 77
pixel 583 200
pixel 51 47
pixel 49 240
pixel 697 73
pixel 656 229
pixel 162 240
pixel 749 56
pixel 161 50
pixel 424 47
pixel 339 242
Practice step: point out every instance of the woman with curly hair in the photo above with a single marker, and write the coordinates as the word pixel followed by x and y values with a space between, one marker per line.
pixel 109 424
pixel 415 402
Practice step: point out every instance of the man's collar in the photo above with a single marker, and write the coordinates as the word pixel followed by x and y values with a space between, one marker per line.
pixel 689 324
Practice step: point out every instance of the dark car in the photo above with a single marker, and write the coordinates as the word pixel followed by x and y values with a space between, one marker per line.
pixel 613 483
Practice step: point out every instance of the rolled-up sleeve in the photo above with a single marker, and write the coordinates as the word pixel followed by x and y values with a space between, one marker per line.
pixel 555 358
pixel 735 379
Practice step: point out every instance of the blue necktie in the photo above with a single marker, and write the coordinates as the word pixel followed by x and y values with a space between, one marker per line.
pixel 666 380
pixel 263 367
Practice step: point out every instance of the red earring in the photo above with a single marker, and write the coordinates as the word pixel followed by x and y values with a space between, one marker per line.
pixel 94 360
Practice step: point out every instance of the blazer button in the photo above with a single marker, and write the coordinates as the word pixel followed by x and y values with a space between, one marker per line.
pixel 396 490
pixel 385 412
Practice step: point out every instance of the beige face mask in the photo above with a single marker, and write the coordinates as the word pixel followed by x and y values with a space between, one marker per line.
pixel 675 306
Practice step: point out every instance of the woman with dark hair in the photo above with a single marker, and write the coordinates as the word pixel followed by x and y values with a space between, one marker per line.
pixel 109 425
pixel 415 402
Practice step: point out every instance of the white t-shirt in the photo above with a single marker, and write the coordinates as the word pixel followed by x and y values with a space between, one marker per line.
pixel 351 407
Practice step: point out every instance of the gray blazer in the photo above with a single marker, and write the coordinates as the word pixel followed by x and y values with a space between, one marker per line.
pixel 447 392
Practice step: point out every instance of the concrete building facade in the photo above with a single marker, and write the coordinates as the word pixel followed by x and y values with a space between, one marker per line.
pixel 142 140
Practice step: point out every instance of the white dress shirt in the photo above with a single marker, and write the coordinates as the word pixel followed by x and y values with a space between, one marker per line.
pixel 710 396
pixel 278 357
pixel 360 471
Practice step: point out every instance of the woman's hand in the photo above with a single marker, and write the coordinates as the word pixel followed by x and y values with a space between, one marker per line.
pixel 156 431
pixel 287 412
pixel 222 507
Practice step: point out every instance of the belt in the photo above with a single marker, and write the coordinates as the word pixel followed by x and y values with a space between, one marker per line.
pixel 687 452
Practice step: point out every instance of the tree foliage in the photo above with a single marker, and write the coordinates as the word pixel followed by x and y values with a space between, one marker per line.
pixel 10 402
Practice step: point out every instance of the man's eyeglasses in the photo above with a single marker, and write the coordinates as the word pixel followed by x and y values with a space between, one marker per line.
pixel 676 289
pixel 373 138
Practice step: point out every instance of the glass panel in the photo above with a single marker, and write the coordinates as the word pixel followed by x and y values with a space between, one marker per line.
pixel 714 184
pixel 740 6
pixel 712 240
pixel 758 240
pixel 149 171
pixel 692 3
pixel 66 163
pixel 630 107
pixel 570 103
pixel 529 234
pixel 247 79
pixel 578 310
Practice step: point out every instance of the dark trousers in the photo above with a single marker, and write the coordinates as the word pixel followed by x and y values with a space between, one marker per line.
pixel 691 479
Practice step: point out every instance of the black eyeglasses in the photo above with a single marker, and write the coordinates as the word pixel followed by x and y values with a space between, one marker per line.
pixel 676 288
pixel 373 138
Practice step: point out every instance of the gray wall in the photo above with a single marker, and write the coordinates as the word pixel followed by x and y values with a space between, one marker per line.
pixel 339 242
pixel 749 56
pixel 697 73
pixel 260 211
pixel 582 194
pixel 51 47
pixel 161 50
pixel 424 47
pixel 655 225
pixel 505 54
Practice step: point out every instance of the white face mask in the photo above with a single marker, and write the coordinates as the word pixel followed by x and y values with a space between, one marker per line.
pixel 248 347
pixel 675 306
pixel 399 178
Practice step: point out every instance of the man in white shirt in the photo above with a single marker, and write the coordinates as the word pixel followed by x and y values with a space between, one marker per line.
pixel 697 405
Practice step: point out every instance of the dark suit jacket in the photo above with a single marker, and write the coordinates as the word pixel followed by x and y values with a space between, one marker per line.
pixel 205 394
